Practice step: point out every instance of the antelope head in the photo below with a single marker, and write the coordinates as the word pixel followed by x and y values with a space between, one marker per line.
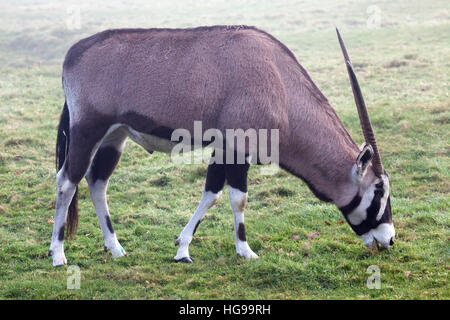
pixel 369 213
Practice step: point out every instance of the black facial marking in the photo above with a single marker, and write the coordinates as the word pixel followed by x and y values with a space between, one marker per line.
pixel 241 232
pixel 347 209
pixel 109 224
pixel 372 211
pixel 361 228
pixel 374 208
pixel 61 233
pixel 104 162
pixel 387 214
pixel 196 226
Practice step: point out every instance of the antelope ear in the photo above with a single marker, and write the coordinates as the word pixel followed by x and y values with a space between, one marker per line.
pixel 364 158
pixel 361 147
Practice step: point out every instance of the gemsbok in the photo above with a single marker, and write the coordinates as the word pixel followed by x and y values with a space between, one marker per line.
pixel 146 83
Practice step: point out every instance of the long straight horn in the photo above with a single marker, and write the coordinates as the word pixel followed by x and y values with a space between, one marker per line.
pixel 369 136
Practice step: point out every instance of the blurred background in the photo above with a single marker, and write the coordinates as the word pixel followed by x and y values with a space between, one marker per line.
pixel 380 33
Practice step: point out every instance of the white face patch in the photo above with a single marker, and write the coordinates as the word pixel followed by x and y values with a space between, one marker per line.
pixel 383 200
pixel 359 214
pixel 384 233
pixel 367 239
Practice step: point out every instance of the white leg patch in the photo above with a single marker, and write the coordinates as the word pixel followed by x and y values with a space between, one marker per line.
pixel 238 201
pixel 208 200
pixel 98 195
pixel 65 193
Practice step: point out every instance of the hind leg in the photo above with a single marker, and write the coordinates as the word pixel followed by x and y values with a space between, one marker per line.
pixel 98 175
pixel 81 148
pixel 215 180
pixel 66 191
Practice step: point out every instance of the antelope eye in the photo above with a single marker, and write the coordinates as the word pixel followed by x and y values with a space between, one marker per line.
pixel 379 192
pixel 379 185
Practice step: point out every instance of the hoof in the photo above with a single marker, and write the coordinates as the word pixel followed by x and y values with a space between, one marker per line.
pixel 61 262
pixel 185 260
pixel 118 252
pixel 248 256
pixel 58 257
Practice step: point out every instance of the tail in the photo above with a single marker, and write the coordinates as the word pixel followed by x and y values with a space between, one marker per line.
pixel 62 147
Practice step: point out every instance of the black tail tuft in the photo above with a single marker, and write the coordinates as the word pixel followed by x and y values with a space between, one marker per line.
pixel 62 147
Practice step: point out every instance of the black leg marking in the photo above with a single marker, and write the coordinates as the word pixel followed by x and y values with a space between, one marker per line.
pixel 104 163
pixel 347 209
pixel 241 232
pixel 215 177
pixel 236 175
pixel 81 146
pixel 196 226
pixel 109 224
pixel 61 233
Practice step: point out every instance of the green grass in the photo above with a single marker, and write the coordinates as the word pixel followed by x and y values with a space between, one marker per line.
pixel 404 71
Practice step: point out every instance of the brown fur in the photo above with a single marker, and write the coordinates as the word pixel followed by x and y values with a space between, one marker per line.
pixel 226 77
pixel 215 201
pixel 242 205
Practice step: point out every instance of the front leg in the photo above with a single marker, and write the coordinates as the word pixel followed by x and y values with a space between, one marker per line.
pixel 236 175
pixel 209 198
pixel 215 180
pixel 97 190
pixel 97 176
pixel 238 201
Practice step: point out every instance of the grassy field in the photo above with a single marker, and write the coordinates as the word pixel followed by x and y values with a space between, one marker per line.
pixel 404 70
